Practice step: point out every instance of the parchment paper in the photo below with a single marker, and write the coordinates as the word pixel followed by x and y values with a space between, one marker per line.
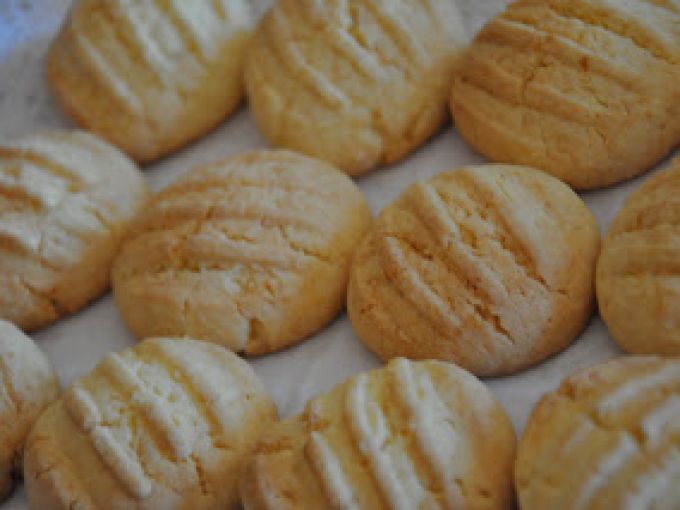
pixel 76 344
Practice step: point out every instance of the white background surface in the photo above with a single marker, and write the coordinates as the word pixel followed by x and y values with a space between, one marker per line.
pixel 75 344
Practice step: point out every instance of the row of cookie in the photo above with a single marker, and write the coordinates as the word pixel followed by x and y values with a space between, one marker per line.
pixel 491 267
pixel 173 423
pixel 585 90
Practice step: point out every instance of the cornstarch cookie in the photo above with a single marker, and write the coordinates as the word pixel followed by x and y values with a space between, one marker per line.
pixel 638 273
pixel 66 198
pixel 410 435
pixel 28 386
pixel 358 83
pixel 252 252
pixel 151 75
pixel 490 267
pixel 607 439
pixel 586 90
pixel 165 425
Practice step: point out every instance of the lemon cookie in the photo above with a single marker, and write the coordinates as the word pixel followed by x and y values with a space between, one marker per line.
pixel 167 424
pixel 252 252
pixel 410 435
pixel 65 200
pixel 358 83
pixel 607 438
pixel 490 267
pixel 151 75
pixel 28 386
pixel 586 90
pixel 638 273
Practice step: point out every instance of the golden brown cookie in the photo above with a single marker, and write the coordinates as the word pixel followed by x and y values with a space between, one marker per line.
pixel 490 267
pixel 165 425
pixel 586 90
pixel 358 83
pixel 252 252
pixel 607 439
pixel 408 436
pixel 151 75
pixel 638 273
pixel 66 198
pixel 27 386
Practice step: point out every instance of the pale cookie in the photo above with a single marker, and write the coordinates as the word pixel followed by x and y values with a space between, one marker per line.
pixel 165 425
pixel 151 75
pixel 586 90
pixel 358 83
pixel 252 252
pixel 27 386
pixel 66 198
pixel 412 435
pixel 638 273
pixel 490 267
pixel 607 439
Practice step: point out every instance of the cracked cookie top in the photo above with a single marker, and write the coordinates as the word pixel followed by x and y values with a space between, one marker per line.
pixel 66 198
pixel 410 435
pixel 252 252
pixel 152 75
pixel 27 385
pixel 358 83
pixel 638 272
pixel 490 267
pixel 166 424
pixel 607 438
pixel 586 90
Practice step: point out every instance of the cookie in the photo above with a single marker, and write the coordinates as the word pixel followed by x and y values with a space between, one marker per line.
pixel 638 272
pixel 608 438
pixel 150 76
pixel 410 435
pixel 66 198
pixel 585 90
pixel 358 83
pixel 251 252
pixel 167 424
pixel 490 267
pixel 27 386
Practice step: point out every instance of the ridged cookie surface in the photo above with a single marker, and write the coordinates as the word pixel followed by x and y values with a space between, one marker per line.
pixel 252 252
pixel 490 267
pixel 358 83
pixel 607 439
pixel 586 90
pixel 66 198
pixel 151 75
pixel 638 273
pixel 408 436
pixel 27 386
pixel 165 425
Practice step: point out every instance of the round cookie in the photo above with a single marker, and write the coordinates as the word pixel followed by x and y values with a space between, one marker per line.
pixel 490 267
pixel 358 83
pixel 638 272
pixel 164 425
pixel 410 435
pixel 27 386
pixel 585 90
pixel 252 252
pixel 149 75
pixel 66 198
pixel 608 438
